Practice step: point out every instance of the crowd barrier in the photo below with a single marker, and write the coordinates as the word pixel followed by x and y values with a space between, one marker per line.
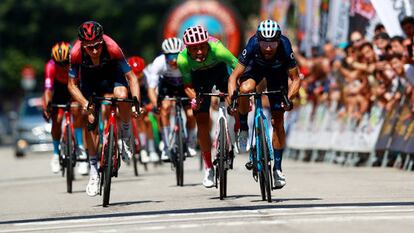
pixel 380 138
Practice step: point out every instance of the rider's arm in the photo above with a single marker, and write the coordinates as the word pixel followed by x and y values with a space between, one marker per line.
pixel 293 68
pixel 224 55
pixel 49 77
pixel 133 84
pixel 73 87
pixel 295 84
pixel 235 75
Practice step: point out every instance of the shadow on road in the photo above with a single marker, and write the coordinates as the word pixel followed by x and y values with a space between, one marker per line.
pixel 291 199
pixel 234 197
pixel 127 203
pixel 208 210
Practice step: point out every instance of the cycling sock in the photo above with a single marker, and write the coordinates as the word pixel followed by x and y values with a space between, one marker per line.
pixel 94 166
pixel 207 159
pixel 243 122
pixel 165 132
pixel 278 159
pixel 192 137
pixel 125 130
pixel 79 136
pixel 142 139
pixel 56 144
pixel 151 145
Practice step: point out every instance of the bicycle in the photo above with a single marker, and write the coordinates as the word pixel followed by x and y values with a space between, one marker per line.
pixel 225 153
pixel 262 153
pixel 67 157
pixel 177 145
pixel 109 162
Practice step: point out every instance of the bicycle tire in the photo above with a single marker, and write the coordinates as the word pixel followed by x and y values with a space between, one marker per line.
pixel 109 152
pixel 180 157
pixel 69 159
pixel 135 164
pixel 222 153
pixel 265 160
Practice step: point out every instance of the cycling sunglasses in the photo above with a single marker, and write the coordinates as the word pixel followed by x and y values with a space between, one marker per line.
pixel 96 45
pixel 171 56
pixel 265 44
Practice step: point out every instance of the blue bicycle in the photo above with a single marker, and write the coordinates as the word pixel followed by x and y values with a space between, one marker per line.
pixel 261 152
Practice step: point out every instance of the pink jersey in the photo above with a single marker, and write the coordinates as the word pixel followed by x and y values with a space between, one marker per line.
pixel 55 72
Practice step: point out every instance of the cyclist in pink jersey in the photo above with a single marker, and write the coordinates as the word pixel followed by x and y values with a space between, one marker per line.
pixel 56 92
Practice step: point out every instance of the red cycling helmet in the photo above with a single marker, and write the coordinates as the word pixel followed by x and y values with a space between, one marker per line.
pixel 137 65
pixel 195 35
pixel 89 31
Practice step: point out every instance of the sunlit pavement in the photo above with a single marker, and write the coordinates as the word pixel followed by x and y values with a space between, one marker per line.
pixel 317 198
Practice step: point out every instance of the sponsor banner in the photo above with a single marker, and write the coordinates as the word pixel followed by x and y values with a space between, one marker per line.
pixel 398 143
pixel 338 21
pixel 389 13
pixel 386 130
pixel 219 20
pixel 276 10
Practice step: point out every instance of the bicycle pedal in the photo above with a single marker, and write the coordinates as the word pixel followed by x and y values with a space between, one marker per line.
pixel 249 165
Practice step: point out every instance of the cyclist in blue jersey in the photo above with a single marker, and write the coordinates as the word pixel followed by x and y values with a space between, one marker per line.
pixel 267 60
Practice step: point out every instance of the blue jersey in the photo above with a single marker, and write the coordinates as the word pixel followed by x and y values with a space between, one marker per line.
pixel 281 63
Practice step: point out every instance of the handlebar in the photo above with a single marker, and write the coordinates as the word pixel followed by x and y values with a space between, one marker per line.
pixel 282 92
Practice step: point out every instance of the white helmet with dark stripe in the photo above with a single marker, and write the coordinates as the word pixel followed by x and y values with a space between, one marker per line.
pixel 172 45
pixel 268 30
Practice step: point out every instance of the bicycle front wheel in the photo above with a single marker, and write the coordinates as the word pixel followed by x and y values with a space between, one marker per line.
pixel 265 161
pixel 109 152
pixel 180 157
pixel 69 159
pixel 222 158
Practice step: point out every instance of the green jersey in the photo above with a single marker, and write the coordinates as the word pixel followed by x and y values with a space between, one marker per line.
pixel 217 54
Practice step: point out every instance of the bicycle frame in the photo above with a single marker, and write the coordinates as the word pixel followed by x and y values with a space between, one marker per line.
pixel 222 115
pixel 111 121
pixel 259 113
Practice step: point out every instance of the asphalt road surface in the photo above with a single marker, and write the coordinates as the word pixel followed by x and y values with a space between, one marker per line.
pixel 317 198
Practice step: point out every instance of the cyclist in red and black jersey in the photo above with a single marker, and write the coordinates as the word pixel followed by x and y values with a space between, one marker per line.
pixel 56 92
pixel 103 70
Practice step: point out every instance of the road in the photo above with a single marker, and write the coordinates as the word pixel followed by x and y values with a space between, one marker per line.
pixel 317 198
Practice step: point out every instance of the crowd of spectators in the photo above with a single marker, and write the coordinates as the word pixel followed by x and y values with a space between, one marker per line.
pixel 356 75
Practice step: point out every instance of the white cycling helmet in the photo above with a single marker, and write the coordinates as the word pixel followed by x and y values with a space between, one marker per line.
pixel 268 30
pixel 172 45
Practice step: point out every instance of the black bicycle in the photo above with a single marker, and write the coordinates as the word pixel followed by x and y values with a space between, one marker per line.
pixel 177 140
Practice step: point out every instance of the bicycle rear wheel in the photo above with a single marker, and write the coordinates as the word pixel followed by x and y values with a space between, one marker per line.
pixel 180 157
pixel 109 152
pixel 69 159
pixel 265 161
pixel 222 158
pixel 135 163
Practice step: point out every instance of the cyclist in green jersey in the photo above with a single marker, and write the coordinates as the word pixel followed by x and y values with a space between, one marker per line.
pixel 203 65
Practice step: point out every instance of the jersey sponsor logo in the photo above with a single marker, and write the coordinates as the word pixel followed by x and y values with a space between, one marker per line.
pixel 219 20
pixel 244 53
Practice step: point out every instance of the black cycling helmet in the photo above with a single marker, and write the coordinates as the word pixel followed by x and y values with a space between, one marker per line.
pixel 89 31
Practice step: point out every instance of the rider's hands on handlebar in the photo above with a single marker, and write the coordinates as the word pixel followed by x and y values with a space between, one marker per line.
pixel 195 103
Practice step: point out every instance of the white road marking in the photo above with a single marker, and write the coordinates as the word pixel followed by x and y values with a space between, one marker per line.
pixel 227 218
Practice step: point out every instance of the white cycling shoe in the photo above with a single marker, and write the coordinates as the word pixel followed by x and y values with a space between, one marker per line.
pixel 192 151
pixel 279 179
pixel 92 188
pixel 83 167
pixel 55 164
pixel 165 155
pixel 144 156
pixel 208 180
pixel 154 156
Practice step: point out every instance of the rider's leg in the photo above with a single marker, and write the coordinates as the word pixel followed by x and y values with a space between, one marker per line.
pixel 278 142
pixel 80 150
pixel 191 130
pixel 125 116
pixel 91 138
pixel 56 132
pixel 205 146
pixel 165 122
pixel 247 85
